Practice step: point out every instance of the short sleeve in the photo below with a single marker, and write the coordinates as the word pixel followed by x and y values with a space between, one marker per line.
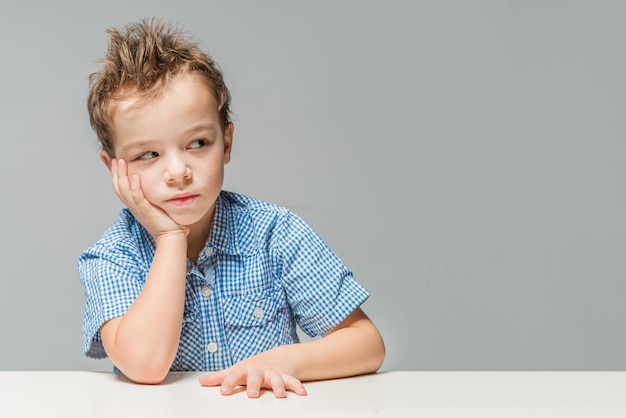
pixel 320 290
pixel 112 278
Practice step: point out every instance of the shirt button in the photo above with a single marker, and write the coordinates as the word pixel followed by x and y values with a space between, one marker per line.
pixel 258 313
pixel 212 347
pixel 208 251
pixel 206 291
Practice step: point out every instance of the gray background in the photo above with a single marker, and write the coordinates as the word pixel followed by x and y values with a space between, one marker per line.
pixel 464 158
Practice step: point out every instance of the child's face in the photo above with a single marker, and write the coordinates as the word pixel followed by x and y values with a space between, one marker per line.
pixel 177 147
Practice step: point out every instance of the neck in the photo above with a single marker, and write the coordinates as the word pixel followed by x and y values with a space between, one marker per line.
pixel 198 235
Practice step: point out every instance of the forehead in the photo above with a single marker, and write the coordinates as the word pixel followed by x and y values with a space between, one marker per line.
pixel 187 85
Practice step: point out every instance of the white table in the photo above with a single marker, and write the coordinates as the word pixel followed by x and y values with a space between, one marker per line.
pixel 391 394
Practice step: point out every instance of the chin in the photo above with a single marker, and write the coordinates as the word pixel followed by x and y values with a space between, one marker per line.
pixel 188 220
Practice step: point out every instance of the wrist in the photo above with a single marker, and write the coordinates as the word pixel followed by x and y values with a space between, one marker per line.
pixel 177 237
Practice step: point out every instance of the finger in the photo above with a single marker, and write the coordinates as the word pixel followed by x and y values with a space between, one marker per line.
pixel 253 383
pixel 231 381
pixel 122 167
pixel 130 188
pixel 294 385
pixel 135 190
pixel 121 180
pixel 278 385
pixel 213 379
pixel 114 176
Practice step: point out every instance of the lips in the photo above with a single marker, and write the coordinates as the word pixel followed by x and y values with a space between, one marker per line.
pixel 182 199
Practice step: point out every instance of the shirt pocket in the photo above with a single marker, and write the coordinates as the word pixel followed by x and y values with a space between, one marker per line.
pixel 254 323
pixel 252 310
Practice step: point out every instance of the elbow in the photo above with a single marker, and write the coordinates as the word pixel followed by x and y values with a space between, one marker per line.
pixel 378 355
pixel 147 377
pixel 145 367
pixel 145 373
pixel 375 355
pixel 374 352
pixel 144 360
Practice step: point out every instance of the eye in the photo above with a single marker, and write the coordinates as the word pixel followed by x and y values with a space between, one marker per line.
pixel 198 143
pixel 147 155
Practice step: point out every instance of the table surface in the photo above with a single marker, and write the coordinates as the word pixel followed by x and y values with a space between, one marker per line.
pixel 387 394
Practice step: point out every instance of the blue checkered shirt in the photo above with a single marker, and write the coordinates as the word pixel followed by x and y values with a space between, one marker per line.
pixel 263 272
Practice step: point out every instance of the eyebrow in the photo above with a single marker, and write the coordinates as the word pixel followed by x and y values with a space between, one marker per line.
pixel 135 146
pixel 204 126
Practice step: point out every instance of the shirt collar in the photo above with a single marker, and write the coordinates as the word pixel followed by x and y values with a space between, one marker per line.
pixel 232 230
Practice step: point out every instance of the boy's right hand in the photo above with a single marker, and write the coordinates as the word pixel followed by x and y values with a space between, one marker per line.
pixel 153 218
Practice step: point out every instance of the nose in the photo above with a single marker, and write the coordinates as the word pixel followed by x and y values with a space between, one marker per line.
pixel 177 169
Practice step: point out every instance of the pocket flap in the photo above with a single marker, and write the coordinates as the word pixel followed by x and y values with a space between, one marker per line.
pixel 252 310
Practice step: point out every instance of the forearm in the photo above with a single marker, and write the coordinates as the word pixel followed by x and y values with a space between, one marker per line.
pixel 144 342
pixel 355 347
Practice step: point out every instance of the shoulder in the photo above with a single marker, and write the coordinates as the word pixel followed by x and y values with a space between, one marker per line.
pixel 124 238
pixel 243 224
pixel 236 202
pixel 242 209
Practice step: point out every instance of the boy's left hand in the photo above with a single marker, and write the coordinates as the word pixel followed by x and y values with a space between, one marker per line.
pixel 255 376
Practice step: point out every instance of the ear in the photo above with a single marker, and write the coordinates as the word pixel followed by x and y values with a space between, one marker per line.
pixel 106 159
pixel 228 141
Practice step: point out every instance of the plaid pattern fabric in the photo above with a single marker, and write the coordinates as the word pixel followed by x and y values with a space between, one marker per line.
pixel 262 272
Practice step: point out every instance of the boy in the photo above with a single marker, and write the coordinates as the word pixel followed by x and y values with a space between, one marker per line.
pixel 191 277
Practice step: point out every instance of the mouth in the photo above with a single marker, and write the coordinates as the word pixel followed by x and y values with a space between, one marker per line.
pixel 182 199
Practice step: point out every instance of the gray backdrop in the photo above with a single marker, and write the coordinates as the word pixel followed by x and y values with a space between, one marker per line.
pixel 464 158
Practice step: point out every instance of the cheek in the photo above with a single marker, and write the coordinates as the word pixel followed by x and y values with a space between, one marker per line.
pixel 148 184
pixel 213 174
